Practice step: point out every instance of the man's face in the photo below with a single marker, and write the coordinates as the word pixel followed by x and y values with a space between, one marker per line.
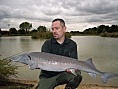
pixel 58 30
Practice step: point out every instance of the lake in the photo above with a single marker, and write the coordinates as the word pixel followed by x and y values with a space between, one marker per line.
pixel 103 51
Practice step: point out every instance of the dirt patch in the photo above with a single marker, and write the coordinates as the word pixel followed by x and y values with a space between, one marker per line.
pixel 90 86
pixel 11 84
pixel 31 84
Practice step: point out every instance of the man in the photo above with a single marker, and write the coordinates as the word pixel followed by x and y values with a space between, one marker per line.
pixel 59 45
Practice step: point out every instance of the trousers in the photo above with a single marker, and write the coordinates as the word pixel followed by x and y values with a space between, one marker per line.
pixel 62 78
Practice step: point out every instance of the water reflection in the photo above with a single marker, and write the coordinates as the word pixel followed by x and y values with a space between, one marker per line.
pixel 103 51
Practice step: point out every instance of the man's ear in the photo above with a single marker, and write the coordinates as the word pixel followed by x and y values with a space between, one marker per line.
pixel 64 28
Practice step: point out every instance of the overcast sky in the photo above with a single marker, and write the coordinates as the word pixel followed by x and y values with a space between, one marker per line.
pixel 78 14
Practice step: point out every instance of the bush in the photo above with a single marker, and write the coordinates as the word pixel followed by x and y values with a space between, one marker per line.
pixel 7 69
pixel 106 34
pixel 46 35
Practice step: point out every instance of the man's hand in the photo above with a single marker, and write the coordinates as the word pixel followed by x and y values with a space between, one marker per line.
pixel 73 71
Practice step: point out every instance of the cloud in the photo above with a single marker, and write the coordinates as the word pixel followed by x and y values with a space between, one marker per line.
pixel 78 14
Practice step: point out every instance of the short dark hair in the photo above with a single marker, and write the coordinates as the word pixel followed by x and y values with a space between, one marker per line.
pixel 61 21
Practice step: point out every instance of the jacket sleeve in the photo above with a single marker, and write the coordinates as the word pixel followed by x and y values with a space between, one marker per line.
pixel 73 53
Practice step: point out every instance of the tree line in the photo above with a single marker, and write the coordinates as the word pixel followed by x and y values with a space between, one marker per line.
pixel 101 29
pixel 24 29
pixel 104 31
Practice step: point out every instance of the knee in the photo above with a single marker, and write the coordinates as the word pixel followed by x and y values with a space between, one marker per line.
pixel 78 78
pixel 75 81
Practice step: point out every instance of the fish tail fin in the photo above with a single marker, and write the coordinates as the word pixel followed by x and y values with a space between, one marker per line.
pixel 106 75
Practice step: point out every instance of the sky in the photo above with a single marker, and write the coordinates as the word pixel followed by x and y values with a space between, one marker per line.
pixel 78 14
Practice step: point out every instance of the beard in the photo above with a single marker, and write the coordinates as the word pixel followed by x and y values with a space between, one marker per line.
pixel 58 36
pixel 55 35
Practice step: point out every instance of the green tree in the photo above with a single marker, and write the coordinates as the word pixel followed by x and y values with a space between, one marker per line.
pixel 114 28
pixel 33 31
pixel 101 28
pixel 106 29
pixel 0 31
pixel 25 26
pixel 41 29
pixel 7 69
pixel 91 31
pixel 12 31
pixel 21 31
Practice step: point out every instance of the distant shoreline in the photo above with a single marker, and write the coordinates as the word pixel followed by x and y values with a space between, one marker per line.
pixel 47 35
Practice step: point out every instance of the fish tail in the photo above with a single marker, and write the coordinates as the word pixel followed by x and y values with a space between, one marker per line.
pixel 106 75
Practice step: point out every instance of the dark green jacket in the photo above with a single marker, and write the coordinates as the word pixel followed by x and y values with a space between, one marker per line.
pixel 67 48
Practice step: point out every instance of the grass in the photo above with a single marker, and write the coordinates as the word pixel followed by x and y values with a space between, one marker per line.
pixel 10 84
pixel 106 34
pixel 90 86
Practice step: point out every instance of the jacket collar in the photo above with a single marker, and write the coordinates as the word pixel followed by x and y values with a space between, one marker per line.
pixel 55 41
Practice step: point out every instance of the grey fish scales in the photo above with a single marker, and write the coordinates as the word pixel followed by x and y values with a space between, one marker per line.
pixel 52 62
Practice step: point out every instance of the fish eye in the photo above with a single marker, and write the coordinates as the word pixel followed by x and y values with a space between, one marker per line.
pixel 29 57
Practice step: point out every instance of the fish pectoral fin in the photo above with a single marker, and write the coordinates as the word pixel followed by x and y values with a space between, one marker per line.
pixel 73 71
pixel 33 66
pixel 92 75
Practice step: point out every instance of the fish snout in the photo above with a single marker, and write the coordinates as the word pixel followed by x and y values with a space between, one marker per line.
pixel 15 58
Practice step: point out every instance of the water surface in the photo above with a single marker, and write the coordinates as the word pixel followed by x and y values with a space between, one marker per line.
pixel 103 51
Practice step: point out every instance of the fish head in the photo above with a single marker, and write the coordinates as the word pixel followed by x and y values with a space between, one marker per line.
pixel 23 58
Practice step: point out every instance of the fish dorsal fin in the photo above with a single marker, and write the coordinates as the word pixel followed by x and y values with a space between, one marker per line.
pixel 90 63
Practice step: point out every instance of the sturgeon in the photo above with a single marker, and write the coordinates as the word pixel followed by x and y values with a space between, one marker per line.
pixel 52 62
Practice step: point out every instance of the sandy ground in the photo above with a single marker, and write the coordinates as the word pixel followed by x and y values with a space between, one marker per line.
pixel 82 86
pixel 89 86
